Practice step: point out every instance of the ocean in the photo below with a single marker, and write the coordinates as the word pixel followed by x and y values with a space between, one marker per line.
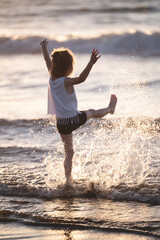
pixel 116 166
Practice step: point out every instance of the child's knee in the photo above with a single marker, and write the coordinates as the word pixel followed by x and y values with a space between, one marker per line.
pixel 91 113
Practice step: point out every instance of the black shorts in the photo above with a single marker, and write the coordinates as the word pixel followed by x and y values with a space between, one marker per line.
pixel 68 125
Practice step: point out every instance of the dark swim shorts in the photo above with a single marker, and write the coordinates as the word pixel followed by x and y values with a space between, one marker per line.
pixel 68 125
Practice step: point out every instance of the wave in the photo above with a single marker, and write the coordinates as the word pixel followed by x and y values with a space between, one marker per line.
pixel 20 122
pixel 137 43
pixel 86 10
pixel 138 9
pixel 145 193
pixel 116 9
pixel 68 224
pixel 15 150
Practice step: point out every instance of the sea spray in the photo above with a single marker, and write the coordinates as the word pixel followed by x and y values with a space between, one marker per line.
pixel 115 158
pixel 54 169
pixel 108 154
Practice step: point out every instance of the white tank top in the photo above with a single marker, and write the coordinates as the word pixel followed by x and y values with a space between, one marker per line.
pixel 61 103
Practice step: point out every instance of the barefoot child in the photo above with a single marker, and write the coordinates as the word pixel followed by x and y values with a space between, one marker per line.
pixel 62 101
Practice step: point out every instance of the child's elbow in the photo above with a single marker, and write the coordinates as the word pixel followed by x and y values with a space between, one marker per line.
pixel 81 80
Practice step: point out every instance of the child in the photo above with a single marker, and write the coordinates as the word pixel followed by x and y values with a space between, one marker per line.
pixel 62 100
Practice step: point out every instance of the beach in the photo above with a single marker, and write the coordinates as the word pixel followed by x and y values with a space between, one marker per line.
pixel 77 218
pixel 116 165
pixel 23 232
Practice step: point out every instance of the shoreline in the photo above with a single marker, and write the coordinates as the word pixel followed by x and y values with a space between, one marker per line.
pixel 13 231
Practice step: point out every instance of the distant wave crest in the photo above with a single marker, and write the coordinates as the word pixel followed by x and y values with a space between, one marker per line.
pixel 118 9
pixel 137 43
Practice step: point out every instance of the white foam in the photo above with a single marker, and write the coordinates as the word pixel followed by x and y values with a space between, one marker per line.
pixel 135 43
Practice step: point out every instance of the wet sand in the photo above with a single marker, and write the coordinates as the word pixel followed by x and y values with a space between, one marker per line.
pixel 15 231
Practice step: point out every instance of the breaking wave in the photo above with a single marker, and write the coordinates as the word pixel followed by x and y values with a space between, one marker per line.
pixel 146 193
pixel 136 43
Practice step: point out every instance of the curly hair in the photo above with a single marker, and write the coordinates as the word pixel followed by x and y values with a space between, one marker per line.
pixel 62 62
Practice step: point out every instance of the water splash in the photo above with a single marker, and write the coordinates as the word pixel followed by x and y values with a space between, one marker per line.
pixel 117 158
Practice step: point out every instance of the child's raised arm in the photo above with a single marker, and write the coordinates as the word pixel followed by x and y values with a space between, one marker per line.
pixel 46 56
pixel 82 77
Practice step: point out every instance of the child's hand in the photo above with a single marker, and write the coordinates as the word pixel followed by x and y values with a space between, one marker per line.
pixel 44 42
pixel 95 56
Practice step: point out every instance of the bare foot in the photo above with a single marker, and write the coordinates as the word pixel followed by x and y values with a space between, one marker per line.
pixel 112 104
pixel 69 181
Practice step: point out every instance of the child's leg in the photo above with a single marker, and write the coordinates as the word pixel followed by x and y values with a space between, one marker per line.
pixel 68 147
pixel 91 113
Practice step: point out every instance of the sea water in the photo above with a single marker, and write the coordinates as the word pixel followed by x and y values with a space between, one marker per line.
pixel 116 166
